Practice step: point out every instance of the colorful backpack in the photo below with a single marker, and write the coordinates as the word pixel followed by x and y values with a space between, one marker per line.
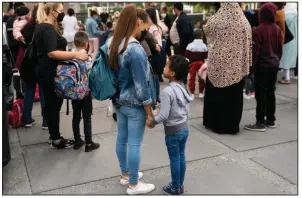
pixel 15 117
pixel 71 81
pixel 102 79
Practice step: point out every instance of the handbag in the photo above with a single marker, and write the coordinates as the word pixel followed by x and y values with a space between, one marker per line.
pixel 288 35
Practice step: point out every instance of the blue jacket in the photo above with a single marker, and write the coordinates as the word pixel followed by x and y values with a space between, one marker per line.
pixel 92 28
pixel 135 78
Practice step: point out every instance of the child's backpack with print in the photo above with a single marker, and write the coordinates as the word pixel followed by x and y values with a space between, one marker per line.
pixel 15 117
pixel 71 81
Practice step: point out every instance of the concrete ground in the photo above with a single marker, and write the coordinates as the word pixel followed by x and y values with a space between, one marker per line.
pixel 247 163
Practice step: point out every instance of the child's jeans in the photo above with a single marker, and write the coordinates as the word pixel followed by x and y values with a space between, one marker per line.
pixel 82 107
pixel 265 86
pixel 249 84
pixel 176 145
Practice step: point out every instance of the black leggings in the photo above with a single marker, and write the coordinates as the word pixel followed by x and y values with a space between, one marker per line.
pixel 53 106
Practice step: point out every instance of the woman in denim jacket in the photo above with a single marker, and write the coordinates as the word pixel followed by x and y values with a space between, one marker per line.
pixel 135 96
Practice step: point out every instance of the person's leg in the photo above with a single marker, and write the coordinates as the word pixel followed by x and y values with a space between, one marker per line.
pixel 270 97
pixel 296 68
pixel 136 129
pixel 201 85
pixel 28 104
pixel 192 73
pixel 122 140
pixel 172 143
pixel 42 102
pixel 260 95
pixel 87 111
pixel 157 87
pixel 17 87
pixel 182 151
pixel 77 106
pixel 90 51
pixel 287 74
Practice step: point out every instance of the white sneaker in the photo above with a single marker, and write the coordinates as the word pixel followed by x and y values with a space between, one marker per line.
pixel 125 181
pixel 193 96
pixel 140 188
pixel 246 96
pixel 201 95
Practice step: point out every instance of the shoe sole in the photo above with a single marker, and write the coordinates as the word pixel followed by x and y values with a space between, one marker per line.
pixel 256 130
pixel 271 127
pixel 127 181
pixel 67 147
pixel 138 193
pixel 44 128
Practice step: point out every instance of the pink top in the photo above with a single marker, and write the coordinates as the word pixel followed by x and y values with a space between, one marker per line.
pixel 18 26
pixel 157 34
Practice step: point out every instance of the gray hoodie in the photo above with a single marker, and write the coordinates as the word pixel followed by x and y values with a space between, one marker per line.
pixel 174 108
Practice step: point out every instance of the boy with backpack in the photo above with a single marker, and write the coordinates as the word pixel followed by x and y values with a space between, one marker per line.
pixel 174 113
pixel 83 106
pixel 267 52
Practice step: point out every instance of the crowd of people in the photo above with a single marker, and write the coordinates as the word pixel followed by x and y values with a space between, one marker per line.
pixel 241 52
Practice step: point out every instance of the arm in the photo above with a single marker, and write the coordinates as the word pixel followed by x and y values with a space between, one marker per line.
pixel 280 21
pixel 165 107
pixel 17 27
pixel 184 30
pixel 76 26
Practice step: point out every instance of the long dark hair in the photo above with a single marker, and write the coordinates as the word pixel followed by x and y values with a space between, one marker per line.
pixel 33 20
pixel 125 27
pixel 152 13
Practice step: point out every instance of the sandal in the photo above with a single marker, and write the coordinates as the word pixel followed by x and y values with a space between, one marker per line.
pixel 284 82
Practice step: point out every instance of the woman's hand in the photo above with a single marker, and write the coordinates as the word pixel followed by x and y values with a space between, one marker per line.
pixel 81 56
pixel 158 48
pixel 149 122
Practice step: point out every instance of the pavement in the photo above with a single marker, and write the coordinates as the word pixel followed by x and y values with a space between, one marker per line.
pixel 247 163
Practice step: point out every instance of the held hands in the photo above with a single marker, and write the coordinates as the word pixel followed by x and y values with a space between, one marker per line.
pixel 149 122
pixel 81 56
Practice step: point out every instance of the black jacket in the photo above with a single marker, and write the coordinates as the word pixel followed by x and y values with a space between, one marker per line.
pixel 185 31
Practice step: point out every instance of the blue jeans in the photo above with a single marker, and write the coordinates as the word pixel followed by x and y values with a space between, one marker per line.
pixel 131 127
pixel 29 96
pixel 176 145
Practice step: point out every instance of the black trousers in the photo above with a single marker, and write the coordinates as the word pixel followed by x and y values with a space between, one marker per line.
pixel 265 86
pixel 53 106
pixel 82 107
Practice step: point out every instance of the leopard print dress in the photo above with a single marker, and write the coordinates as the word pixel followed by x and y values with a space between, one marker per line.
pixel 229 37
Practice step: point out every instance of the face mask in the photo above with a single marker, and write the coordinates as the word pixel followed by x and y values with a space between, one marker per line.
pixel 163 15
pixel 143 35
pixel 60 17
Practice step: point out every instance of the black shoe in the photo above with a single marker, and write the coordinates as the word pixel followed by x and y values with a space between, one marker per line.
pixel 63 143
pixel 255 127
pixel 30 123
pixel 91 146
pixel 168 190
pixel 271 125
pixel 20 96
pixel 114 117
pixel 78 144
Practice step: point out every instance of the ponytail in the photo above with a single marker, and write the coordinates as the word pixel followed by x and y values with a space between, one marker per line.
pixel 41 14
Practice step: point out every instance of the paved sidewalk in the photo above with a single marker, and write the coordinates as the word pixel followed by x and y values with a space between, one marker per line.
pixel 247 163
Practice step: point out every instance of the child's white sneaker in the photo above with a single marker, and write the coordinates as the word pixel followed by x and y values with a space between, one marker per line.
pixel 201 95
pixel 193 96
pixel 125 180
pixel 245 96
pixel 140 188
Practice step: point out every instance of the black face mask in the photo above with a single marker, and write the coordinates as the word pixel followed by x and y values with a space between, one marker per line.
pixel 143 35
pixel 60 17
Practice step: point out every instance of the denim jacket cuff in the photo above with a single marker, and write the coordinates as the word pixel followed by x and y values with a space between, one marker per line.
pixel 147 102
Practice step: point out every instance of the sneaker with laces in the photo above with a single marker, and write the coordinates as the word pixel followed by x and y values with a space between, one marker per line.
pixel 78 144
pixel 169 191
pixel 91 146
pixel 125 180
pixel 62 143
pixel 31 123
pixel 182 189
pixel 255 127
pixel 271 125
pixel 140 188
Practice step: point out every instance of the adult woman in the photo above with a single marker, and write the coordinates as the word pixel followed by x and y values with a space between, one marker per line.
pixel 28 76
pixel 51 46
pixel 135 96
pixel 70 26
pixel 93 32
pixel 229 37
pixel 280 18
pixel 290 49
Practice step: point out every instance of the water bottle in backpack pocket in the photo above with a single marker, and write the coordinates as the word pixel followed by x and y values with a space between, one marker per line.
pixel 71 81
pixel 102 79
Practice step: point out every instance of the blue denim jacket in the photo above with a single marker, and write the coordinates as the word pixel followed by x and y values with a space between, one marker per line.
pixel 135 78
pixel 92 28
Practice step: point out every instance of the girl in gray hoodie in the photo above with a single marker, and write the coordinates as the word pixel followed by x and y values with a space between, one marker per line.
pixel 174 113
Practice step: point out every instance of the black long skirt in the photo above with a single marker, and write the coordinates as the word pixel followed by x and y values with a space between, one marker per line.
pixel 223 107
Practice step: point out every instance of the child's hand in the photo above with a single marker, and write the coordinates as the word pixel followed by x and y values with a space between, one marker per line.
pixel 21 38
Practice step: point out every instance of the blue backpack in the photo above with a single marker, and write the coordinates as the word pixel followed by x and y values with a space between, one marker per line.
pixel 102 78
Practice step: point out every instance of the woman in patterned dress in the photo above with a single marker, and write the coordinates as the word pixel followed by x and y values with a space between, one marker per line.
pixel 229 37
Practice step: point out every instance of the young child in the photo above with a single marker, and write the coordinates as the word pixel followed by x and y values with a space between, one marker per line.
pixel 267 52
pixel 83 107
pixel 23 16
pixel 174 113
pixel 196 52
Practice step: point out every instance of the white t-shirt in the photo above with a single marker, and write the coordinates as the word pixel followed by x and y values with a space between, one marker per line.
pixel 174 36
pixel 70 26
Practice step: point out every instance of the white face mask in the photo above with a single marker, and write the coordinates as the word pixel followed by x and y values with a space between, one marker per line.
pixel 163 15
